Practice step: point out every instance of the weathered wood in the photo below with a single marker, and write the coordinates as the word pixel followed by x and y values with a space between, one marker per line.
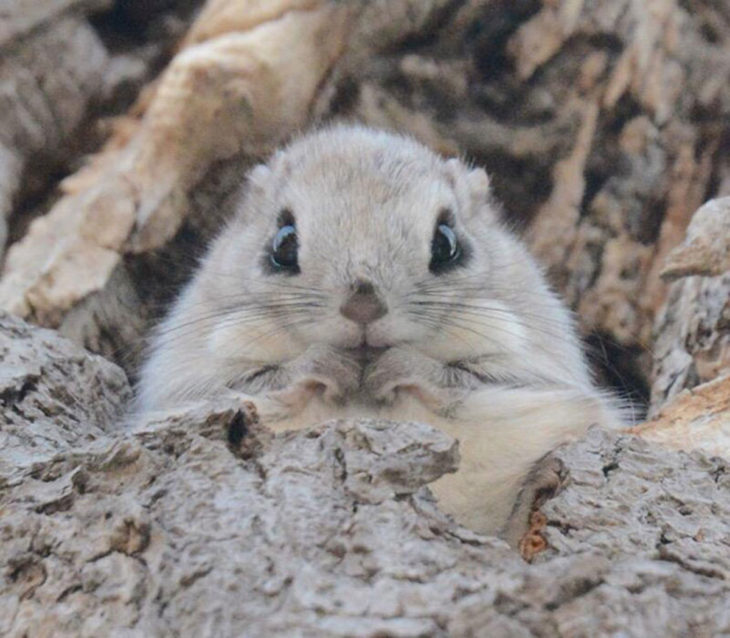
pixel 692 342
pixel 51 66
pixel 697 419
pixel 206 524
pixel 64 63
pixel 54 396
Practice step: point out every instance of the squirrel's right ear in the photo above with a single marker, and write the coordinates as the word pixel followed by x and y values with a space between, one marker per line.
pixel 477 184
pixel 255 187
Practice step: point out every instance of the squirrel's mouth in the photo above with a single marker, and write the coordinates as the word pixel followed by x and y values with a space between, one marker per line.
pixel 366 352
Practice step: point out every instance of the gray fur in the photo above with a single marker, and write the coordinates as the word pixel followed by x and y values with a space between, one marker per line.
pixel 494 359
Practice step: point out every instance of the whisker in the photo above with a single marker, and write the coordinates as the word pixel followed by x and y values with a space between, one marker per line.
pixel 478 309
pixel 440 322
pixel 494 313
pixel 543 325
pixel 451 292
pixel 436 323
pixel 279 329
pixel 284 282
pixel 463 324
pixel 229 317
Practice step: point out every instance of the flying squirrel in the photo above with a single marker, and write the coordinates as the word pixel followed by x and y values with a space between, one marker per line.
pixel 363 275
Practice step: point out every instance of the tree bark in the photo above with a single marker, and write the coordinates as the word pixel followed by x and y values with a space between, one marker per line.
pixel 204 523
pixel 693 328
pixel 64 65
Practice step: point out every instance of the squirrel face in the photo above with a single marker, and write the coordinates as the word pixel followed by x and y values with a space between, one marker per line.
pixel 365 240
pixel 355 242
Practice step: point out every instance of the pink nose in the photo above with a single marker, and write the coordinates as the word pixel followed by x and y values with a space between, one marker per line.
pixel 363 305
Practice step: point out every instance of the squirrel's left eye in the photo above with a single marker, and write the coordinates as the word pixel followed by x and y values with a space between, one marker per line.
pixel 285 248
pixel 444 247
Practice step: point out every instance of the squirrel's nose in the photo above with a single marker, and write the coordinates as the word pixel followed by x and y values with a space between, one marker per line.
pixel 364 305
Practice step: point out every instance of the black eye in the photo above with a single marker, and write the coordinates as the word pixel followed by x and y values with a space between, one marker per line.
pixel 284 249
pixel 444 248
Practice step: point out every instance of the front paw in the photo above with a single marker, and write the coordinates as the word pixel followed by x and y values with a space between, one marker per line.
pixel 402 369
pixel 328 371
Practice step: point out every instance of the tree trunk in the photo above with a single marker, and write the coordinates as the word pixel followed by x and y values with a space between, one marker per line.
pixel 206 524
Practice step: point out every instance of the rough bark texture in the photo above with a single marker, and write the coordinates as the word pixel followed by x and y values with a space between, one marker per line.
pixel 53 395
pixel 695 419
pixel 691 374
pixel 693 329
pixel 42 103
pixel 64 63
pixel 204 523
pixel 604 125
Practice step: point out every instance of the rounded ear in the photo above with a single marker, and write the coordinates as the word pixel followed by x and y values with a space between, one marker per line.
pixel 253 190
pixel 258 176
pixel 476 182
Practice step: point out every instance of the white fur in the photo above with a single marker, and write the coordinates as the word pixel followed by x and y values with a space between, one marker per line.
pixel 366 204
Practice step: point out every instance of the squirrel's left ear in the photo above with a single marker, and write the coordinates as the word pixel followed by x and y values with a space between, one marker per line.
pixel 479 184
pixel 475 181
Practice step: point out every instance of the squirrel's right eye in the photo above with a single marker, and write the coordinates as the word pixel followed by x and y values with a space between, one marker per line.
pixel 284 250
pixel 445 249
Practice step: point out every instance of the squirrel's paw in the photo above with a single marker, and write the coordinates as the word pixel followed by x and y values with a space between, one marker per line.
pixel 404 369
pixel 324 370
